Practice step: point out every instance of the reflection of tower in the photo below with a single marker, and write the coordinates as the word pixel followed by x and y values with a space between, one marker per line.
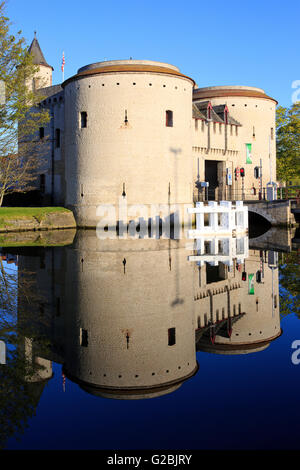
pixel 38 291
pixel 255 320
pixel 127 335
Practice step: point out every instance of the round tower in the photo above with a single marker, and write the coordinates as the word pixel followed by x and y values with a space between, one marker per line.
pixel 130 325
pixel 256 112
pixel 128 135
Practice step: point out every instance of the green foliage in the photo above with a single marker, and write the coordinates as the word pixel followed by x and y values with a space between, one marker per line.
pixel 20 116
pixel 288 142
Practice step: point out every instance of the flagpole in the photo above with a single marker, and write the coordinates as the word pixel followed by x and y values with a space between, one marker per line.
pixel 63 68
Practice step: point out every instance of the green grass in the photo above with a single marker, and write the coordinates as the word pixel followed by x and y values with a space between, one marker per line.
pixel 8 214
pixel 29 211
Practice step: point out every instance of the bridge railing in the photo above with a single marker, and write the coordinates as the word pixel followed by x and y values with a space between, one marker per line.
pixel 219 218
pixel 246 194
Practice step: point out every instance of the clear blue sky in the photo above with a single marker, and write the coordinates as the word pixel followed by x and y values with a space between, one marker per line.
pixel 215 42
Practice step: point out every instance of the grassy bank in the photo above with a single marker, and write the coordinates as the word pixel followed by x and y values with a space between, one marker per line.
pixel 35 218
pixel 26 212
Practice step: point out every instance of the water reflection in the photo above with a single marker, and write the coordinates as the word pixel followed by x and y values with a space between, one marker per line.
pixel 126 317
pixel 23 374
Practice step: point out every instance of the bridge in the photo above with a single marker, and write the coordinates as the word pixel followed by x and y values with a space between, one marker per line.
pixel 277 213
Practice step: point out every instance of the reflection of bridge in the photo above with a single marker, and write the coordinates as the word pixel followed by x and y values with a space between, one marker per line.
pixel 277 239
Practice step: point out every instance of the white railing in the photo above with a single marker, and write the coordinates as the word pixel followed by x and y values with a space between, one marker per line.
pixel 224 218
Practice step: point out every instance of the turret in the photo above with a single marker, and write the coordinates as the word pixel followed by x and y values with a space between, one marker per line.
pixel 43 77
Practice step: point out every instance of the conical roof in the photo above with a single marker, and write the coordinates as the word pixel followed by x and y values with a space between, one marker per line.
pixel 36 51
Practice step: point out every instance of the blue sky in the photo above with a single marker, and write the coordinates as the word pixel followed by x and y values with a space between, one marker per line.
pixel 252 43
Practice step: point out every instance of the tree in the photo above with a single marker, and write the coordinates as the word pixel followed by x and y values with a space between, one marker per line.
pixel 289 274
pixel 21 155
pixel 288 142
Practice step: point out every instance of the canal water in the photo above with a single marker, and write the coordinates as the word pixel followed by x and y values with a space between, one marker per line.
pixel 149 343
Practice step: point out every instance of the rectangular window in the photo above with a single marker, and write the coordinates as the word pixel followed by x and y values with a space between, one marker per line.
pixel 57 306
pixel 231 129
pixel 42 261
pixel 169 118
pixel 202 126
pixel 57 138
pixel 215 127
pixel 171 336
pixel 42 183
pixel 42 132
pixel 272 133
pixel 236 130
pixel 220 128
pixel 196 124
pixel 83 119
pixel 84 338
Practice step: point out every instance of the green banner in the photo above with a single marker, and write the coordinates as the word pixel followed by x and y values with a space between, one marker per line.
pixel 249 153
pixel 251 284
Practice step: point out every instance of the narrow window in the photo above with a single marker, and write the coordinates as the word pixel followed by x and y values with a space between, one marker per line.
pixel 172 336
pixel 83 119
pixel 202 126
pixel 42 183
pixel 83 338
pixel 220 128
pixel 57 306
pixel 57 138
pixel 196 124
pixel 42 132
pixel 231 129
pixel 42 261
pixel 272 133
pixel 215 127
pixel 169 118
pixel 236 130
pixel 226 117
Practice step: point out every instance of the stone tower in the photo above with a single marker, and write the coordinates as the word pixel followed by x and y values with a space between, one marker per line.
pixel 124 120
pixel 43 77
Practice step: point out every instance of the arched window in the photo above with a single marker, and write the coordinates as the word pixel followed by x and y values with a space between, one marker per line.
pixel 169 118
